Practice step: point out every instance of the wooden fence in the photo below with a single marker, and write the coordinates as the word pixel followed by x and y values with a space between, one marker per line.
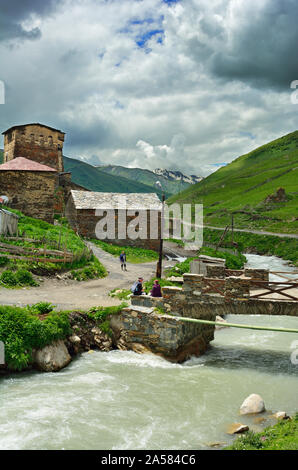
pixel 40 254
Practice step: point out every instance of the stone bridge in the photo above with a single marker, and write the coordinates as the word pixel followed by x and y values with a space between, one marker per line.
pixel 151 324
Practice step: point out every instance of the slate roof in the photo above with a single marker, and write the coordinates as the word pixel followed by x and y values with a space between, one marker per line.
pixel 133 201
pixel 32 124
pixel 24 164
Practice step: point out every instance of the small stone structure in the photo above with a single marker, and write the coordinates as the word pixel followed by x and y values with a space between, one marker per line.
pixel 208 266
pixel 120 211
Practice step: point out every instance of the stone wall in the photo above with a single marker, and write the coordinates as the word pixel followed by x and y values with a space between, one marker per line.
pixel 35 142
pixel 142 329
pixel 260 274
pixel 30 192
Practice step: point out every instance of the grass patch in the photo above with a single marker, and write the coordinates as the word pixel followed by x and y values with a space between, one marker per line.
pixel 133 254
pixel 101 314
pixel 20 278
pixel 121 294
pixel 281 436
pixel 94 270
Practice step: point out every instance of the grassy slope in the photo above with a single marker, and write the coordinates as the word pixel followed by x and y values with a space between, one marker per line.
pixel 146 177
pixel 246 182
pixel 82 268
pixel 97 180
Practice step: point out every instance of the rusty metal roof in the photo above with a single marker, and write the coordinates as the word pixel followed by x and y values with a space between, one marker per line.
pixel 32 124
pixel 134 201
pixel 24 164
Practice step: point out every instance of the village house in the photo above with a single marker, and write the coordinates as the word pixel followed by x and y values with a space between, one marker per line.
pixel 130 219
pixel 30 187
pixel 40 188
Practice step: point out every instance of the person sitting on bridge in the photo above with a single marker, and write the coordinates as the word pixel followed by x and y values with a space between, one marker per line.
pixel 137 288
pixel 156 289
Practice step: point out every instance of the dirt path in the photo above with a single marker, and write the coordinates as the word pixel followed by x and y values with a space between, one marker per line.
pixel 68 294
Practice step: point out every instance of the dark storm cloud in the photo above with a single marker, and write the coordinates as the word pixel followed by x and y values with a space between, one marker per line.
pixel 14 12
pixel 258 45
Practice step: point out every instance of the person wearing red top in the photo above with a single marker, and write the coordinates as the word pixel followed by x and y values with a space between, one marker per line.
pixel 156 289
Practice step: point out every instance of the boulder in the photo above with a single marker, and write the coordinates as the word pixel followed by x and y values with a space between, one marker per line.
pixel 52 358
pixel 252 404
pixel 237 428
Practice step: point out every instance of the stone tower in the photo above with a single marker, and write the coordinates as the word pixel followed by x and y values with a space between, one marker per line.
pixel 37 142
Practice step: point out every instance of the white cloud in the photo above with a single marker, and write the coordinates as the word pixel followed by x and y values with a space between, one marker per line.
pixel 157 105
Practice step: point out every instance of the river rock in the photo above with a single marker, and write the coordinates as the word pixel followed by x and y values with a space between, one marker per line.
pixel 252 404
pixel 102 341
pixel 220 320
pixel 52 357
pixel 74 339
pixel 281 415
pixel 237 428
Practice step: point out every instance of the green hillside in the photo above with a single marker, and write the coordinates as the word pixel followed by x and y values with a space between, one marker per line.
pixel 146 177
pixel 96 180
pixel 243 187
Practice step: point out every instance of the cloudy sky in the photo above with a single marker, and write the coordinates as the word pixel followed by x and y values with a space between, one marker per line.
pixel 178 84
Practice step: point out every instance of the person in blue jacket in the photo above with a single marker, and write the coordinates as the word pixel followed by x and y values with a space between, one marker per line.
pixel 123 261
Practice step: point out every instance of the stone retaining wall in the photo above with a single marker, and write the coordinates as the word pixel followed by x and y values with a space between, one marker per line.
pixel 142 329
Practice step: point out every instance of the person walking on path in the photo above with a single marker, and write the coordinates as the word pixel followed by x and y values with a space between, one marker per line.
pixel 156 289
pixel 123 261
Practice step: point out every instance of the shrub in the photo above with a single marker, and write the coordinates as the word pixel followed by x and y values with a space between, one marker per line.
pixel 43 308
pixel 9 278
pixel 25 278
pixel 3 260
pixel 21 331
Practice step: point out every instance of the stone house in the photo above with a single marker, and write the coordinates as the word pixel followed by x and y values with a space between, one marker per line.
pixel 30 187
pixel 49 187
pixel 129 219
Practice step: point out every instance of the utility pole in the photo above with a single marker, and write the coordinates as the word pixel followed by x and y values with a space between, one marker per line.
pixel 159 263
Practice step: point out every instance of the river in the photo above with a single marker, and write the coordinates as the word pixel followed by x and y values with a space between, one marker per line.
pixel 121 400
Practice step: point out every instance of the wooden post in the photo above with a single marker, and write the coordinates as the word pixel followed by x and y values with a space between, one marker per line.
pixel 59 242
pixel 159 263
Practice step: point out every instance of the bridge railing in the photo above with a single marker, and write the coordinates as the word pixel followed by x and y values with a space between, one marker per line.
pixel 274 289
